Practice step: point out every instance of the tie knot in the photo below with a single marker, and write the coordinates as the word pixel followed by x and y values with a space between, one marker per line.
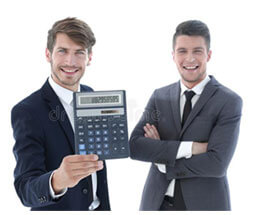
pixel 189 95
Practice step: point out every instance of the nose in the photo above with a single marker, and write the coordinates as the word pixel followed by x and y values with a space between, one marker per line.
pixel 70 59
pixel 190 58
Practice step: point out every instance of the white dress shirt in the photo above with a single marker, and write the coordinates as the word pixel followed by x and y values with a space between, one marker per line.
pixel 185 148
pixel 66 99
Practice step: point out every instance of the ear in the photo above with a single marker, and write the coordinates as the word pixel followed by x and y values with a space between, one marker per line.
pixel 173 55
pixel 209 55
pixel 48 55
pixel 89 58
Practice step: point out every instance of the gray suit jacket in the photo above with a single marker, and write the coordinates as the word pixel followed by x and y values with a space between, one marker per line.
pixel 215 119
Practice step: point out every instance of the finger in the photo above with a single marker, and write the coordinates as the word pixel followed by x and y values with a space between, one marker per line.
pixel 87 170
pixel 84 165
pixel 155 131
pixel 81 158
pixel 149 133
pixel 152 131
pixel 81 176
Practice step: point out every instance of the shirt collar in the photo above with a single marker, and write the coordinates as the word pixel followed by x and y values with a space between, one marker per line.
pixel 198 89
pixel 62 93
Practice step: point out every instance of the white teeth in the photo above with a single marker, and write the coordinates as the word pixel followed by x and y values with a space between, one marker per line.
pixel 190 67
pixel 69 71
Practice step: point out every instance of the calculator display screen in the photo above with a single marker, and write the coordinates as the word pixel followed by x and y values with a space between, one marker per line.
pixel 84 100
pixel 100 99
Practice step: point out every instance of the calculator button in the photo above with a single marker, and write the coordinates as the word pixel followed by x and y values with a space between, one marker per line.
pixel 90 139
pixel 105 132
pixel 80 119
pixel 98 139
pixel 97 132
pixel 91 146
pixel 97 120
pixel 90 133
pixel 90 126
pixel 114 125
pixel 122 138
pixel 106 152
pixel 82 152
pixel 98 146
pixel 104 126
pixel 80 127
pixel 90 152
pixel 105 139
pixel 99 152
pixel 114 131
pixel 89 120
pixel 81 147
pixel 115 148
pixel 122 131
pixel 121 125
pixel 81 140
pixel 122 148
pixel 97 126
pixel 114 138
pixel 81 133
pixel 106 145
pixel 104 119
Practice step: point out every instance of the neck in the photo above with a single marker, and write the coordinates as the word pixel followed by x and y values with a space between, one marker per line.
pixel 73 88
pixel 192 84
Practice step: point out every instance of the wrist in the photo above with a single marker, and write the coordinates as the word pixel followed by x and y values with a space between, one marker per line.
pixel 56 184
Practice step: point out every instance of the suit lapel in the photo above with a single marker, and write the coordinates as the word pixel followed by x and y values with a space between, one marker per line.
pixel 175 104
pixel 57 112
pixel 207 93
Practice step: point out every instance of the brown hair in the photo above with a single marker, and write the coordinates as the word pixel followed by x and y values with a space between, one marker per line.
pixel 74 28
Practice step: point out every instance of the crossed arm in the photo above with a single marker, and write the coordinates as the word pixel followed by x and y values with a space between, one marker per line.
pixel 152 132
pixel 209 159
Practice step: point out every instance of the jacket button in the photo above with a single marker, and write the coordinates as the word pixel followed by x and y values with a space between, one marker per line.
pixel 85 191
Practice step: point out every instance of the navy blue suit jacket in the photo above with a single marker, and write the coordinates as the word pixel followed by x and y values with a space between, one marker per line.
pixel 44 136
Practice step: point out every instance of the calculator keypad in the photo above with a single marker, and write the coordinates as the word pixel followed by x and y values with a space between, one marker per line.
pixel 105 136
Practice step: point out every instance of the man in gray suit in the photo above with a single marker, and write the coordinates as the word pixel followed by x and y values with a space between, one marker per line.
pixel 189 131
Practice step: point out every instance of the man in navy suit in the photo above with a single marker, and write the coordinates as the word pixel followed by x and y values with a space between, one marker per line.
pixel 48 176
pixel 189 131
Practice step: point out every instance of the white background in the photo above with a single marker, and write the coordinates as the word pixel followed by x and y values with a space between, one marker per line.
pixel 133 52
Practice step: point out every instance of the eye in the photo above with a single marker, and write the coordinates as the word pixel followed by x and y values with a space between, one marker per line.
pixel 61 50
pixel 198 51
pixel 181 51
pixel 80 52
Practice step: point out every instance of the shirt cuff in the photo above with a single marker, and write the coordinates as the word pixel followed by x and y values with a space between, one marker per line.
pixel 161 167
pixel 52 193
pixel 185 150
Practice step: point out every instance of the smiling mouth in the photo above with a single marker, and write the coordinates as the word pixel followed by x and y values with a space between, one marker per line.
pixel 190 68
pixel 69 71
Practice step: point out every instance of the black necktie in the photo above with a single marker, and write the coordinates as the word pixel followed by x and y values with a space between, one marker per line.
pixel 188 105
pixel 178 201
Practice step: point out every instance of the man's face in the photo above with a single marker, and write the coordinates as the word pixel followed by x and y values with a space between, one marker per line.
pixel 68 62
pixel 191 56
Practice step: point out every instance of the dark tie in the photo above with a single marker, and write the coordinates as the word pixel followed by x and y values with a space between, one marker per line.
pixel 178 201
pixel 188 105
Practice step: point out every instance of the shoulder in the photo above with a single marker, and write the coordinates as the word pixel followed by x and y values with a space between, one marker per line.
pixel 30 103
pixel 165 90
pixel 86 88
pixel 228 94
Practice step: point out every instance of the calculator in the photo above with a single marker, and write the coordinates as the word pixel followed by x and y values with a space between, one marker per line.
pixel 100 123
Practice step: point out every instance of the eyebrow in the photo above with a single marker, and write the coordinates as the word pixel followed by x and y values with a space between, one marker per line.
pixel 68 49
pixel 195 48
pixel 199 48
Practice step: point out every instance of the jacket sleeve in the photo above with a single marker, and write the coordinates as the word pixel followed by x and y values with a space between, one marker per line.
pixel 31 177
pixel 221 146
pixel 147 149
